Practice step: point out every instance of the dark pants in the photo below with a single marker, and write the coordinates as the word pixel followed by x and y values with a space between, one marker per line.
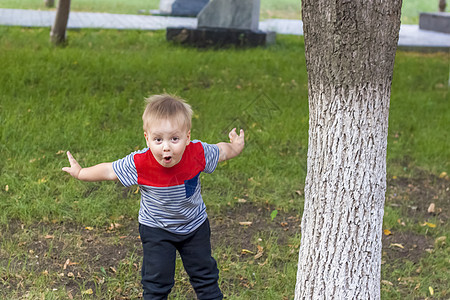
pixel 158 267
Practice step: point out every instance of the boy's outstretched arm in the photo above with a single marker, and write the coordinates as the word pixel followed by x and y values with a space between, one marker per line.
pixel 103 171
pixel 234 147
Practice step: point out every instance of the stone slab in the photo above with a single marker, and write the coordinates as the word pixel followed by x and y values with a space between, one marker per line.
pixel 234 14
pixel 412 38
pixel 219 37
pixel 439 21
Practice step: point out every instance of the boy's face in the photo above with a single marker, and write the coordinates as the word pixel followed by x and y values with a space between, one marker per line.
pixel 167 141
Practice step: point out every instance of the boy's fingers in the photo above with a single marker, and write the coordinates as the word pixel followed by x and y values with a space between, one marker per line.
pixel 69 155
pixel 72 160
pixel 232 133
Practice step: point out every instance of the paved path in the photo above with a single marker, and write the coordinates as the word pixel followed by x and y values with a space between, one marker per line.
pixel 411 37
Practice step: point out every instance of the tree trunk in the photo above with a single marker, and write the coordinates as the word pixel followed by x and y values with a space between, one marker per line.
pixel 58 31
pixel 442 5
pixel 350 49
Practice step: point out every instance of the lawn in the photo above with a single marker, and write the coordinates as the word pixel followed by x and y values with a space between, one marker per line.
pixel 281 9
pixel 63 239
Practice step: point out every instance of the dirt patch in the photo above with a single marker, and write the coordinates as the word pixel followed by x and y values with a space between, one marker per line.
pixel 66 254
pixel 405 246
pixel 415 195
pixel 239 226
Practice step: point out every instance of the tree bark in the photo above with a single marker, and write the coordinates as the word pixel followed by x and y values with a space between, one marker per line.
pixel 350 50
pixel 58 31
pixel 442 5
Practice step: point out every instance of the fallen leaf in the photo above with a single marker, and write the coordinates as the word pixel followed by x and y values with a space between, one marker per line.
pixel 431 225
pixel 246 251
pixel 6 188
pixel 89 228
pixel 264 263
pixel 88 292
pixel 49 237
pixel 136 191
pixel 260 252
pixel 387 282
pixel 387 232
pixel 113 269
pixel 66 264
pixel 245 223
pixel 42 180
pixel 440 240
pixel 443 175
pixel 399 221
pixel 397 245
pixel 113 226
pixel 273 214
pixel 431 290
pixel 70 274
pixel 431 208
pixel 242 200
pixel 60 152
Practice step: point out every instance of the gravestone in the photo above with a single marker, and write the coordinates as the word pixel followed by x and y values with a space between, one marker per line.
pixel 224 22
pixel 165 7
pixel 182 8
pixel 233 14
pixel 438 21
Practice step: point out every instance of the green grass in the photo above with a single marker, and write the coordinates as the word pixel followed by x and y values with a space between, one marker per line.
pixel 285 9
pixel 88 98
pixel 418 88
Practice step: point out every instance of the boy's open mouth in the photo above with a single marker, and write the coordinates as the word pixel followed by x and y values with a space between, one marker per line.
pixel 168 158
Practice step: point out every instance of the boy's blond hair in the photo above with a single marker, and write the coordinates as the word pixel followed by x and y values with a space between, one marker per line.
pixel 167 107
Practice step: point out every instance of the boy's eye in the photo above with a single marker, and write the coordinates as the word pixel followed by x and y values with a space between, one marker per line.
pixel 158 140
pixel 175 139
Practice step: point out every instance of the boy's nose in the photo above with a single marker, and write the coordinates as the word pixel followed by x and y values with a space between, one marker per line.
pixel 166 147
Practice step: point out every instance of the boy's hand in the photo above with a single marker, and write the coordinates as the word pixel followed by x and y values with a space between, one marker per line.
pixel 234 147
pixel 236 140
pixel 74 168
pixel 103 171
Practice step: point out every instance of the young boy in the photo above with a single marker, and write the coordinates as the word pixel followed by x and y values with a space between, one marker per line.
pixel 172 214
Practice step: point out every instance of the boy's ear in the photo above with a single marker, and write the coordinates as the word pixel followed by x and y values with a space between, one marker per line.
pixel 146 139
pixel 188 138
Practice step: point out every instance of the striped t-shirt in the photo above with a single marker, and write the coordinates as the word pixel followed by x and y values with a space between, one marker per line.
pixel 170 197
